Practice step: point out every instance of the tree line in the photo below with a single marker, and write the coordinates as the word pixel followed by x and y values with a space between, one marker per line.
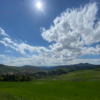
pixel 15 78
pixel 28 77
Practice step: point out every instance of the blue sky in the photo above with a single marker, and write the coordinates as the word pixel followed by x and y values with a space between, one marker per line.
pixel 64 32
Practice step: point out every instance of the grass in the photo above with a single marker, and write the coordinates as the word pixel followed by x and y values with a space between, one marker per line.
pixel 82 75
pixel 60 89
pixel 5 96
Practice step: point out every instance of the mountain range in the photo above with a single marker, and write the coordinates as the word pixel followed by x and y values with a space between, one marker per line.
pixel 81 66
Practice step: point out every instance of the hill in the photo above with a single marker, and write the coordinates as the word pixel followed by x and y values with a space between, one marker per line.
pixel 79 75
pixel 32 68
pixel 80 66
pixel 51 70
pixel 5 68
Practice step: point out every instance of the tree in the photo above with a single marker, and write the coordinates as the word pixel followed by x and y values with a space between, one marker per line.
pixel 1 78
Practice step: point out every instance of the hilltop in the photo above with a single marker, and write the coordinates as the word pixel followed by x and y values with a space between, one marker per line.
pixel 55 70
pixel 6 68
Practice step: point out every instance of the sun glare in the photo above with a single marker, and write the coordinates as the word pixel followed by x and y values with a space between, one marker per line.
pixel 38 5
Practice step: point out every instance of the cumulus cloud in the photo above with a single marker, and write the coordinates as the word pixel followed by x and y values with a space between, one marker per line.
pixel 74 24
pixel 74 32
pixel 74 29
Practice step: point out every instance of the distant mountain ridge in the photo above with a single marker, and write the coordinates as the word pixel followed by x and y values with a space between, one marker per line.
pixel 80 66
pixel 77 66
pixel 87 64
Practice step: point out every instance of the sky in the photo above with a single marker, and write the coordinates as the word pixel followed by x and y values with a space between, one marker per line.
pixel 59 32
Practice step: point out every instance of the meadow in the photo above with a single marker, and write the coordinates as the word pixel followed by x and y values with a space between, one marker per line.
pixel 64 87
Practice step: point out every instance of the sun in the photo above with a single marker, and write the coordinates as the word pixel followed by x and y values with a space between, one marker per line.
pixel 39 5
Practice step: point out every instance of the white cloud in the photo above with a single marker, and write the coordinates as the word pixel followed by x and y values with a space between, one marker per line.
pixel 40 61
pixel 8 51
pixel 20 47
pixel 2 56
pixel 73 32
pixel 4 43
pixel 7 40
pixel 74 29
pixel 2 32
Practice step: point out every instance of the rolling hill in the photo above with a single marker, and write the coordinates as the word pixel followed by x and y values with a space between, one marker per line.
pixel 79 75
pixel 67 68
pixel 5 68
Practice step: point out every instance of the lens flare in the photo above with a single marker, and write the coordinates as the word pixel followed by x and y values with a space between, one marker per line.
pixel 39 5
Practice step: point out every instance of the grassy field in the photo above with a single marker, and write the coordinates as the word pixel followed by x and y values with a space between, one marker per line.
pixel 6 96
pixel 60 89
pixel 82 75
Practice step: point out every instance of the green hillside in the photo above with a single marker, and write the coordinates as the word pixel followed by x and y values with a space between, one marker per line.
pixel 5 68
pixel 82 75
pixel 32 68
